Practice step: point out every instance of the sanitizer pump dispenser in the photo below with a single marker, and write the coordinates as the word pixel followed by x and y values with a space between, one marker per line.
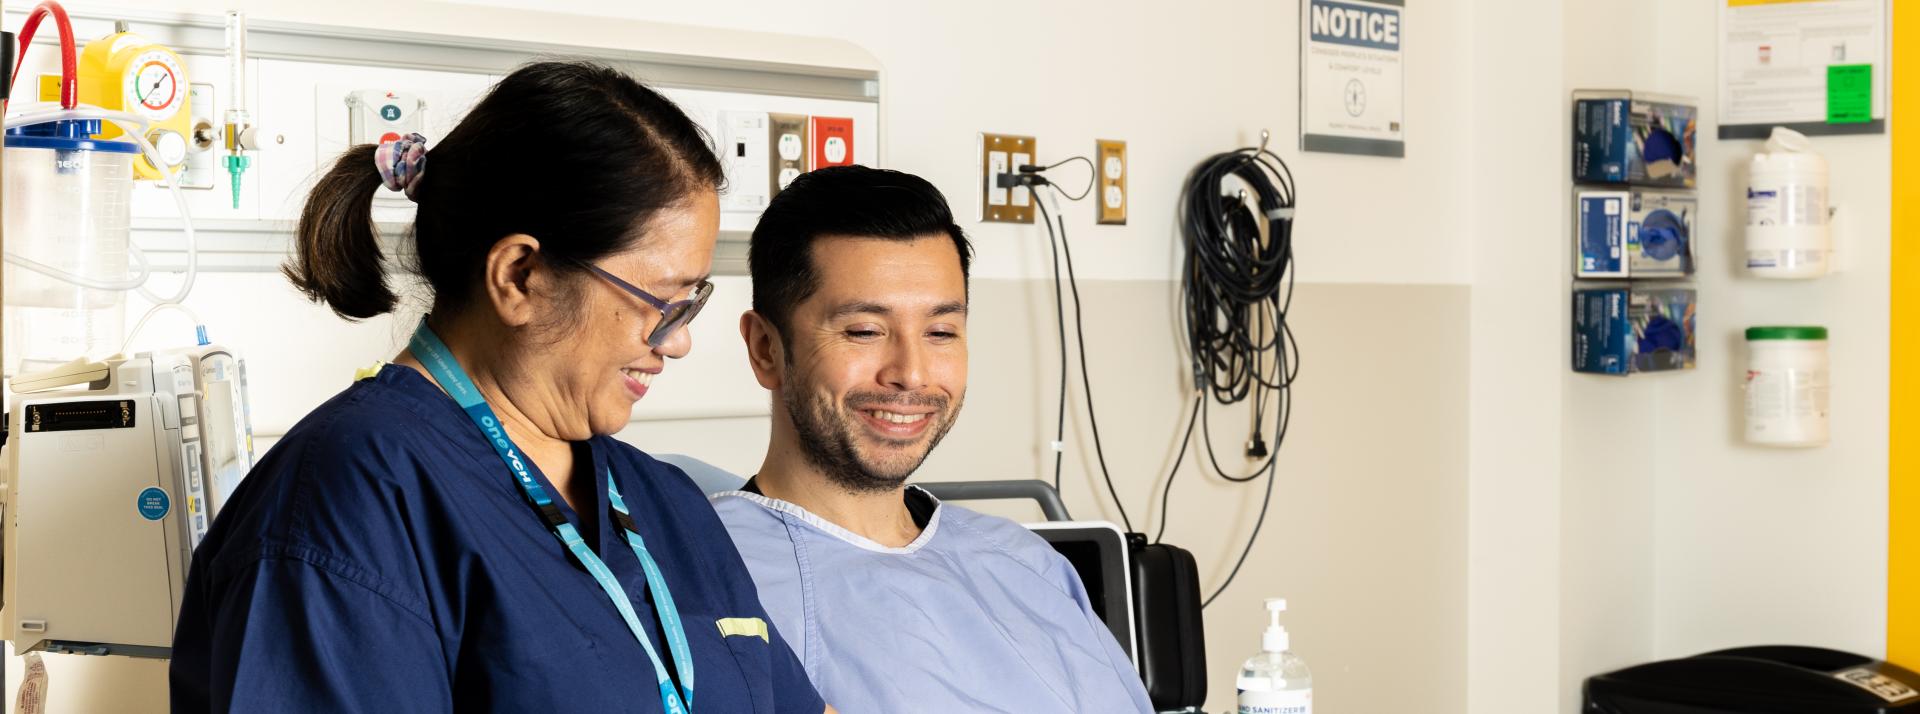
pixel 1275 681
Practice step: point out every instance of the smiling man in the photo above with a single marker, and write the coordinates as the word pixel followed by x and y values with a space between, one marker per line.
pixel 893 601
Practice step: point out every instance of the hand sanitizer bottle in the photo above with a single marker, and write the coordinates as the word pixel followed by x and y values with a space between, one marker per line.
pixel 1275 681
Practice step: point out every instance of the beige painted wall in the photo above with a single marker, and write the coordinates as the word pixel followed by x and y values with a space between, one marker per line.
pixel 1367 533
pixel 1366 542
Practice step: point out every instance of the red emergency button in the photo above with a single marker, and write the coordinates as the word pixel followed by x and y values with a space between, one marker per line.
pixel 389 136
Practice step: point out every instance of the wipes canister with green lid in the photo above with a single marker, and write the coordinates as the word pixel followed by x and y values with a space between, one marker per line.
pixel 1787 386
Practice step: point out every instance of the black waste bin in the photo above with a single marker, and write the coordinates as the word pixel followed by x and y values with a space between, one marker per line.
pixel 1758 680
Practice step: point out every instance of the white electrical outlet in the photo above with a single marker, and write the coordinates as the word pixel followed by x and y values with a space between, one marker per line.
pixel 748 161
pixel 996 165
pixel 788 134
pixel 1111 180
pixel 1003 154
pixel 1021 197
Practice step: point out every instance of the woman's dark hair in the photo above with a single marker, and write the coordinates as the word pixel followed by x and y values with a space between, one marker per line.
pixel 840 201
pixel 572 153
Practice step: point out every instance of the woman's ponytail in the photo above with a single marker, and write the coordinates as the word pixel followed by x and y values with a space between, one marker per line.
pixel 337 258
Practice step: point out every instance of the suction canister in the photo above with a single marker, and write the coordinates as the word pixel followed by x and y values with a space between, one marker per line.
pixel 78 190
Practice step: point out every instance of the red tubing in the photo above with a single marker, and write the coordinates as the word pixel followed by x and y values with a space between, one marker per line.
pixel 69 65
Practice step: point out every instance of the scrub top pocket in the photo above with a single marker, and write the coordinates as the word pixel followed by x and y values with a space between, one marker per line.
pixel 751 655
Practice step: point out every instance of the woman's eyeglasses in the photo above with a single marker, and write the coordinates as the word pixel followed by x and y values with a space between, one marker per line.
pixel 673 315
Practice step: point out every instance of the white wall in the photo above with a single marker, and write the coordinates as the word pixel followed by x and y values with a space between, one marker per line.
pixel 1175 82
pixel 1678 538
pixel 1755 545
pixel 1516 364
pixel 1607 478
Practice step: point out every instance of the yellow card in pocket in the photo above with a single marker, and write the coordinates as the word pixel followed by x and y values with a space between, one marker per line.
pixel 743 627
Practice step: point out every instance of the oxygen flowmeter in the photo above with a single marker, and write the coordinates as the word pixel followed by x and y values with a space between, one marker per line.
pixel 241 135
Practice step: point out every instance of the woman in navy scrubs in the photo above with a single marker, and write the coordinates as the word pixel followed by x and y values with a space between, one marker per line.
pixel 457 531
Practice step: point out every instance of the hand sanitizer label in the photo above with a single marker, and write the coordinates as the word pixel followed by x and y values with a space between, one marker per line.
pixel 1288 702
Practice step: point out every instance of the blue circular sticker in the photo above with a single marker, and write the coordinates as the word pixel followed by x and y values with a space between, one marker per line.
pixel 153 504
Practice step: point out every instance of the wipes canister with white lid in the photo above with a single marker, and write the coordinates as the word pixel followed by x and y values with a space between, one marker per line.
pixel 1788 234
pixel 1787 386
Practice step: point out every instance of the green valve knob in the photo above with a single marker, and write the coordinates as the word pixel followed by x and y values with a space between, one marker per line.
pixel 236 167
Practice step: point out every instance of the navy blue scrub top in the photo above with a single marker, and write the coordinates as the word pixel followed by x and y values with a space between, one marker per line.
pixel 381 559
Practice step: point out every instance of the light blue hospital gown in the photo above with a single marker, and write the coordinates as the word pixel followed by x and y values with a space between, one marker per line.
pixel 978 614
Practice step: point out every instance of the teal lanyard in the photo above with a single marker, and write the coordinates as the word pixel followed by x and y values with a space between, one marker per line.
pixel 446 370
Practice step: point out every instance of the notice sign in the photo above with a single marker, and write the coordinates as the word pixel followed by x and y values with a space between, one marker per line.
pixel 1815 66
pixel 1351 77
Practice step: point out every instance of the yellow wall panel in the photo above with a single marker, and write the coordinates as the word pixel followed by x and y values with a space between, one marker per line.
pixel 1903 553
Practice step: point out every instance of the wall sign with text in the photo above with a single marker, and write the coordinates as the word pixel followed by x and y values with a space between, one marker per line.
pixel 1352 77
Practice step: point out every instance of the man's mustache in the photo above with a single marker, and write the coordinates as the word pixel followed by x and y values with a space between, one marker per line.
pixel 868 400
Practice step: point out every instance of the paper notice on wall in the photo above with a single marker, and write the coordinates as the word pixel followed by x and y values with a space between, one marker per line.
pixel 1352 75
pixel 1817 66
pixel 32 697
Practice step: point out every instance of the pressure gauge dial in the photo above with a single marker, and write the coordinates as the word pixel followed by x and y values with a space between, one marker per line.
pixel 153 86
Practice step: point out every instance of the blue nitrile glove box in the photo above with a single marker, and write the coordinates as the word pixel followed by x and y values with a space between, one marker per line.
pixel 1624 330
pixel 1636 141
pixel 1634 233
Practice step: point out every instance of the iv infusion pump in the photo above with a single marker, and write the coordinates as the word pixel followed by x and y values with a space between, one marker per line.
pixel 114 469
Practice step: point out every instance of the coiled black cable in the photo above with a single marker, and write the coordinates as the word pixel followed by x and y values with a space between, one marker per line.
pixel 1237 264
pixel 1237 286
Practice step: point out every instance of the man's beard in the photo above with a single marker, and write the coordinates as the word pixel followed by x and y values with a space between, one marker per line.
pixel 827 438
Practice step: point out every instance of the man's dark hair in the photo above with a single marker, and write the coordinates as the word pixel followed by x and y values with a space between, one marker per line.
pixel 838 201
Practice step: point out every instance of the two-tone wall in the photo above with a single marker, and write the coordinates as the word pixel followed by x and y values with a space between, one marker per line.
pixel 1458 520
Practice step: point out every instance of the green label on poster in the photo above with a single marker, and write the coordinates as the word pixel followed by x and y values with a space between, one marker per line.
pixel 1849 93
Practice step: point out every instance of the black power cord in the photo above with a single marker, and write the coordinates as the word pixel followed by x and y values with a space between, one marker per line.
pixel 1166 492
pixel 1093 176
pixel 1060 320
pixel 1028 178
pixel 1237 288
pixel 1032 182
